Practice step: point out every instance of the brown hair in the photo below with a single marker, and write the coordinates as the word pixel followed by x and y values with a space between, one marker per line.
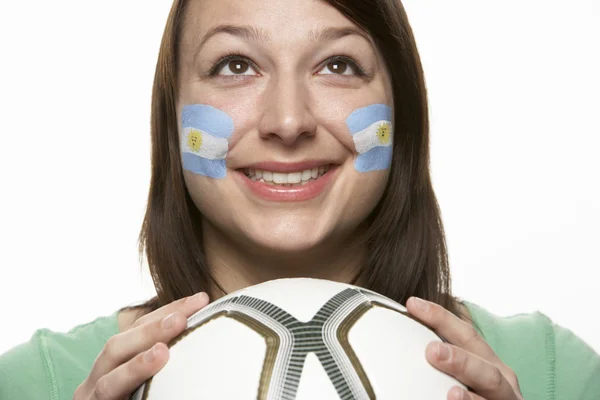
pixel 406 242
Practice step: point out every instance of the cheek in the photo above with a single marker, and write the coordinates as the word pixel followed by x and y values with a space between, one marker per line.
pixel 207 195
pixel 372 132
pixel 204 134
pixel 247 119
pixel 364 191
pixel 366 130
pixel 371 185
pixel 241 105
pixel 331 112
pixel 245 113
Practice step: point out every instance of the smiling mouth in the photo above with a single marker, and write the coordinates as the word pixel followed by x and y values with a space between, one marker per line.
pixel 286 179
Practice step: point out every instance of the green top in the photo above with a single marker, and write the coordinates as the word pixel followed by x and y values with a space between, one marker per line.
pixel 550 361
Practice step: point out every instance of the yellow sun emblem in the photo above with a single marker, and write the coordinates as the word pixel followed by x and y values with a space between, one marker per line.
pixel 194 139
pixel 383 133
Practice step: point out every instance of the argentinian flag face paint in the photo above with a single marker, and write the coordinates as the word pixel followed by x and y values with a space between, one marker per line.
pixel 204 145
pixel 371 130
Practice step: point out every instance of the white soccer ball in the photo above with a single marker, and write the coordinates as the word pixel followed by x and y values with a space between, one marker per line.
pixel 303 339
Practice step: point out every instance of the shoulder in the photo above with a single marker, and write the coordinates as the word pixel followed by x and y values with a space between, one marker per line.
pixel 550 361
pixel 23 373
pixel 52 364
pixel 577 366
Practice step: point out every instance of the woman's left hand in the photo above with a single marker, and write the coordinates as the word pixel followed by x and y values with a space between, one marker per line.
pixel 468 358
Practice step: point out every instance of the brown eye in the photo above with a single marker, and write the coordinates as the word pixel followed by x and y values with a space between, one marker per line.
pixel 234 65
pixel 337 67
pixel 238 66
pixel 342 66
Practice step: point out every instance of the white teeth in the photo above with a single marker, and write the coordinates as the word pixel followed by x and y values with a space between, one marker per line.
pixel 294 177
pixel 289 179
pixel 280 178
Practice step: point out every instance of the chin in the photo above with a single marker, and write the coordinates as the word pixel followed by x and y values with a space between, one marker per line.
pixel 291 237
pixel 288 246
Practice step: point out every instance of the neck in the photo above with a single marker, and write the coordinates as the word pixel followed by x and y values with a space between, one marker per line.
pixel 236 265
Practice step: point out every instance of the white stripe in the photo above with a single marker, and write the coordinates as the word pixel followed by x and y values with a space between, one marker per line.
pixel 213 148
pixel 366 139
pixel 330 331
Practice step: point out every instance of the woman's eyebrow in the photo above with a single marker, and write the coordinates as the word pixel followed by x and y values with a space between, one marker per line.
pixel 250 32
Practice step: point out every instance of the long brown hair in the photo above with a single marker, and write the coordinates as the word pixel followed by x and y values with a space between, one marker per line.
pixel 406 242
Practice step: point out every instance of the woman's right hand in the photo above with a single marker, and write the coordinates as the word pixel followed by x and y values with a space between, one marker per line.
pixel 132 357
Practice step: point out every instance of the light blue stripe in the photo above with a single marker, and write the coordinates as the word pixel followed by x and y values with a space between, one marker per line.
pixel 363 117
pixel 203 166
pixel 377 158
pixel 207 119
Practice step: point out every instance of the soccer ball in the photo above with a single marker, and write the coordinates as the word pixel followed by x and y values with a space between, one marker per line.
pixel 300 339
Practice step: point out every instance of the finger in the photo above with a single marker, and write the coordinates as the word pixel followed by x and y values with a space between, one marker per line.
pixel 481 376
pixel 158 326
pixel 452 328
pixel 187 306
pixel 458 393
pixel 123 346
pixel 473 396
pixel 125 379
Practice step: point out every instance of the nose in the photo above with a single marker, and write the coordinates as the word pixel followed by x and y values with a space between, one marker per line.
pixel 287 115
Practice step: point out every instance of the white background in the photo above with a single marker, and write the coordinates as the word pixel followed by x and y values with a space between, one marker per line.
pixel 514 95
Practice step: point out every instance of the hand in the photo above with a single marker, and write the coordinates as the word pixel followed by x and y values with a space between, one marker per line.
pixel 469 358
pixel 131 357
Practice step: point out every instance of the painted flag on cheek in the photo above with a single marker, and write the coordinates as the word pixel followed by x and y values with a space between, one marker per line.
pixel 372 132
pixel 204 135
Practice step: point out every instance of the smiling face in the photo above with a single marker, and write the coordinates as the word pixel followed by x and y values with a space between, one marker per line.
pixel 288 74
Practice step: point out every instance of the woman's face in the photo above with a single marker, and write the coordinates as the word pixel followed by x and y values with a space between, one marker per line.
pixel 278 107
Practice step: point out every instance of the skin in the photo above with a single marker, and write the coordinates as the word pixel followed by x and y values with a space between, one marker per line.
pixel 468 358
pixel 286 110
pixel 290 106
pixel 138 351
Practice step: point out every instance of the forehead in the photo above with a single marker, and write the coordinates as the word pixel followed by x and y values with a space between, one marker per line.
pixel 284 21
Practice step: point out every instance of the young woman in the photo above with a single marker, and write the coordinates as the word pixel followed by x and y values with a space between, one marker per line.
pixel 290 138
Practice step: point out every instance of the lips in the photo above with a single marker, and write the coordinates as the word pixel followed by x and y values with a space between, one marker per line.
pixel 288 167
pixel 286 179
pixel 282 182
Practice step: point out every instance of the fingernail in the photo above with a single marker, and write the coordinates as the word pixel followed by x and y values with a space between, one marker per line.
pixel 150 355
pixel 197 298
pixel 167 323
pixel 203 297
pixel 443 353
pixel 457 395
pixel 463 395
pixel 421 305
